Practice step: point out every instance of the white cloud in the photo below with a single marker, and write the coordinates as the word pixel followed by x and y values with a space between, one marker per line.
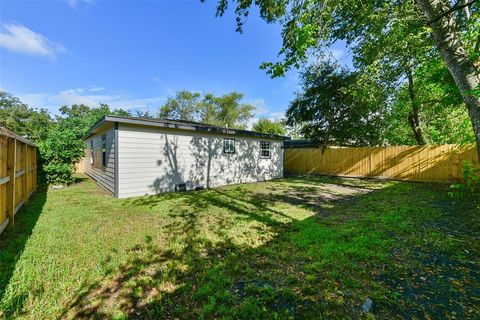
pixel 95 88
pixel 263 111
pixel 337 54
pixel 75 3
pixel 91 97
pixel 275 116
pixel 18 38
pixel 260 106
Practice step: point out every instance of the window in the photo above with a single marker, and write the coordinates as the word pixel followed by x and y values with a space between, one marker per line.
pixel 104 152
pixel 92 156
pixel 229 146
pixel 265 149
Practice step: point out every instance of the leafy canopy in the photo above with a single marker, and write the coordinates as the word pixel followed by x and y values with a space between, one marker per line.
pixel 265 125
pixel 63 147
pixel 23 120
pixel 334 106
pixel 226 110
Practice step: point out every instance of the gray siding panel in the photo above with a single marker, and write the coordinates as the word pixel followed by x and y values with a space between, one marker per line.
pixel 152 160
pixel 104 176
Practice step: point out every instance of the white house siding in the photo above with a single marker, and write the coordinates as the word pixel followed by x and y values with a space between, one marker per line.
pixel 153 160
pixel 104 176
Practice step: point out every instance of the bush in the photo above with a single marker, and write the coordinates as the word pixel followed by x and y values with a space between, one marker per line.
pixel 60 151
pixel 470 184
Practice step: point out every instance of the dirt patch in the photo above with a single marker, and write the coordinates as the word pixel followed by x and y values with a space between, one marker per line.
pixel 317 197
pixel 430 282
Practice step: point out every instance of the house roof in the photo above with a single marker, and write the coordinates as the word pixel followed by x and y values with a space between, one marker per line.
pixel 302 144
pixel 5 132
pixel 182 125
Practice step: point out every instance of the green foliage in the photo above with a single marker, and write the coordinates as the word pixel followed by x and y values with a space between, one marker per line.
pixel 183 106
pixel 338 106
pixel 63 147
pixel 470 185
pixel 265 125
pixel 23 120
pixel 60 151
pixel 388 40
pixel 226 111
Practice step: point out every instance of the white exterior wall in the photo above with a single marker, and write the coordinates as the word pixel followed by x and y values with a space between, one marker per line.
pixel 104 176
pixel 153 160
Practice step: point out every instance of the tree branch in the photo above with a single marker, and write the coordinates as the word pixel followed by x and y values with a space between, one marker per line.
pixel 457 6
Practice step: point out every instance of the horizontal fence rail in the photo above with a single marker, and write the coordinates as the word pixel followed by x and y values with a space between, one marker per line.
pixel 18 175
pixel 432 163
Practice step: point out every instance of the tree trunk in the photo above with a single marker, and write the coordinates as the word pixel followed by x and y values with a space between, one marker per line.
pixel 414 114
pixel 448 42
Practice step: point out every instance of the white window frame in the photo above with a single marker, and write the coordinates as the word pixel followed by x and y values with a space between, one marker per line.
pixel 228 146
pixel 92 155
pixel 104 150
pixel 265 146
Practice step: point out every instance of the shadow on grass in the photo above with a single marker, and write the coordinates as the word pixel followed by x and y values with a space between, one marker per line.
pixel 14 238
pixel 322 266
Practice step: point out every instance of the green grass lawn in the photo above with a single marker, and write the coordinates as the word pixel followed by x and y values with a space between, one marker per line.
pixel 300 247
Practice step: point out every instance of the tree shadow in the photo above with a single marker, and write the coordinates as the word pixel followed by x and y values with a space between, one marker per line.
pixel 14 239
pixel 319 266
pixel 192 162
pixel 407 163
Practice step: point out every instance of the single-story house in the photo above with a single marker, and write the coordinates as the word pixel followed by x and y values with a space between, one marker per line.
pixel 131 157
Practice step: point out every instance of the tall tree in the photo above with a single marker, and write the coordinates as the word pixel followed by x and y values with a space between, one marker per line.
pixel 314 24
pixel 184 106
pixel 265 125
pixel 441 107
pixel 23 120
pixel 231 112
pixel 226 110
pixel 63 145
pixel 332 107
pixel 446 29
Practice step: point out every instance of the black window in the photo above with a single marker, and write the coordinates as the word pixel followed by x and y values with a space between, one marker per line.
pixel 92 156
pixel 264 149
pixel 104 151
pixel 229 146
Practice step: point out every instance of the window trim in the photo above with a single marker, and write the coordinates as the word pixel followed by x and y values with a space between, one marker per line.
pixel 92 154
pixel 225 140
pixel 269 150
pixel 104 150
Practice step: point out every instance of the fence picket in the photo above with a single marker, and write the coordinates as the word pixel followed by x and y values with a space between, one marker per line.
pixel 17 175
pixel 441 163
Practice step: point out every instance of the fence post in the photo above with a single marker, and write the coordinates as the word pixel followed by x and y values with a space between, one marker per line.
pixel 11 169
pixel 25 170
pixel 34 168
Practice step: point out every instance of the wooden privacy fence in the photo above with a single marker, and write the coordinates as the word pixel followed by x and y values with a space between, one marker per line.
pixel 441 163
pixel 80 166
pixel 18 174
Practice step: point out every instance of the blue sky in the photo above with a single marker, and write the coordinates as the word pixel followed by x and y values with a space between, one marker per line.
pixel 135 54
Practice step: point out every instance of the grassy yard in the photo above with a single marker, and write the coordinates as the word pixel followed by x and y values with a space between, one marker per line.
pixel 301 247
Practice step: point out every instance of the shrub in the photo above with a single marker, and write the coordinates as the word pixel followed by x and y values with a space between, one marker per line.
pixel 470 184
pixel 60 151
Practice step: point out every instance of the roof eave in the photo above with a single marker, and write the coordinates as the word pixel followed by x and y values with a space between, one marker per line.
pixel 182 126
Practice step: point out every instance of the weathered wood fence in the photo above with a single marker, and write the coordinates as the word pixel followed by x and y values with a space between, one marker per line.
pixel 441 163
pixel 18 174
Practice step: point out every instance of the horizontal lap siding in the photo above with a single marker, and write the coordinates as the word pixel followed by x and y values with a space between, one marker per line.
pixel 154 160
pixel 104 176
